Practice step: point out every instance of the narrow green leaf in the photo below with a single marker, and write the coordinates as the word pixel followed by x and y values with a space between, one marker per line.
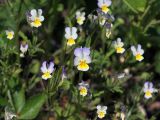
pixel 136 5
pixel 32 107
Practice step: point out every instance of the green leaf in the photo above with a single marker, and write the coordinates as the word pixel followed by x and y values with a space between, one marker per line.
pixel 65 85
pixel 19 99
pixel 32 107
pixel 3 101
pixel 34 67
pixel 136 5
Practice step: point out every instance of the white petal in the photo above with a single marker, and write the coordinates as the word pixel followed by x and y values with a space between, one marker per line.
pixel 76 61
pixel 23 48
pixel 146 84
pixel 74 30
pixel 100 3
pixel 140 50
pixel 39 12
pixel 78 14
pixel 134 51
pixel 12 32
pixel 32 18
pixel 104 108
pixel 41 18
pixel 107 2
pixel 68 30
pixel 67 36
pixel 44 67
pixel 98 107
pixel 118 40
pixel 145 89
pixel 83 14
pixel 33 12
pixel 150 85
pixel 74 36
pixel 151 89
pixel 88 59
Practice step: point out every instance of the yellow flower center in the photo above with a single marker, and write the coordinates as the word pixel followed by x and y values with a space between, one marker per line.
pixel 80 20
pixel 83 65
pixel 120 50
pixel 10 35
pixel 101 114
pixel 105 9
pixel 37 22
pixel 139 57
pixel 46 75
pixel 83 91
pixel 70 42
pixel 148 93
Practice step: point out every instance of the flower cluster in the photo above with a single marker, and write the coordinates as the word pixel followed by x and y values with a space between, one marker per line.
pixel 137 52
pixel 82 55
pixel 105 18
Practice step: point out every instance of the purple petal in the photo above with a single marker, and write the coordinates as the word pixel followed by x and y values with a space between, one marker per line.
pixel 78 52
pixel 86 51
pixel 51 67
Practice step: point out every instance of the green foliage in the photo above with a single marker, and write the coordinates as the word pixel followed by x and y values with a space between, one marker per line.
pixel 32 107
pixel 136 5
pixel 19 99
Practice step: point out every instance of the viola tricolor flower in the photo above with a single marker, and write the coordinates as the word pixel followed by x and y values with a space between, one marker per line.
pixel 23 49
pixel 36 18
pixel 71 35
pixel 10 34
pixel 47 70
pixel 104 4
pixel 101 111
pixel 82 58
pixel 83 88
pixel 80 16
pixel 148 89
pixel 138 52
pixel 118 45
